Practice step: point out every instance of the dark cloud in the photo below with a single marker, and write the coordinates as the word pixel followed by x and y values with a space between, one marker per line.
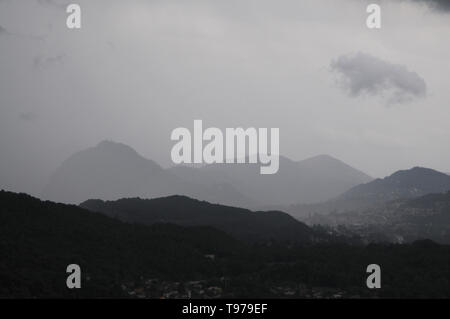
pixel 439 5
pixel 364 74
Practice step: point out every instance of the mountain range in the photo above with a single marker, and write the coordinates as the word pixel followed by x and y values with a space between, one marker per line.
pixel 112 170
pixel 116 177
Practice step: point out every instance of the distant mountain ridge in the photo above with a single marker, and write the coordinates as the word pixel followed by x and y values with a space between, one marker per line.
pixel 241 223
pixel 112 170
pixel 312 180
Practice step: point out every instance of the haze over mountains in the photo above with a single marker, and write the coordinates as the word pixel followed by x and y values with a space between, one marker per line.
pixel 112 170
pixel 308 181
pixel 318 190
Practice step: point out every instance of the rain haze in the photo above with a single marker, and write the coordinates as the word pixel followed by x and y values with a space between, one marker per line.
pixel 376 99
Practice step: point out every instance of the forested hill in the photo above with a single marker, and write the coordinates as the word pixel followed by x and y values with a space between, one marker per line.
pixel 39 239
pixel 241 223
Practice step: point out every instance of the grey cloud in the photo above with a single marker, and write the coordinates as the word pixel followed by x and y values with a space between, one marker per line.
pixel 28 116
pixel 40 62
pixel 362 73
pixel 3 30
pixel 6 32
pixel 53 3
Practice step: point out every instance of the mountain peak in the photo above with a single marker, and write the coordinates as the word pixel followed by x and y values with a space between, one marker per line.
pixel 324 156
pixel 417 172
pixel 113 146
pixel 109 170
pixel 108 143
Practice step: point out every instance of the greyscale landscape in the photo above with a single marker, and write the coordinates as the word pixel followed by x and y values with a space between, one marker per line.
pixel 229 228
pixel 87 181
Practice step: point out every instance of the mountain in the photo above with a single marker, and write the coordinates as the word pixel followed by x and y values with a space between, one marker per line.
pixel 410 183
pixel 109 170
pixel 403 184
pixel 308 181
pixel 241 223
pixel 112 170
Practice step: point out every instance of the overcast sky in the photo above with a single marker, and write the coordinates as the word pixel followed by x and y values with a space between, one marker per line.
pixel 376 99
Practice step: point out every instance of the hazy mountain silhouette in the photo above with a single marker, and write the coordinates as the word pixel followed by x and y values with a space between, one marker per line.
pixel 308 181
pixel 112 170
pixel 241 223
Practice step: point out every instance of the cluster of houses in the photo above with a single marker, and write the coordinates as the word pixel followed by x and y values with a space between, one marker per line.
pixel 203 289
pixel 155 288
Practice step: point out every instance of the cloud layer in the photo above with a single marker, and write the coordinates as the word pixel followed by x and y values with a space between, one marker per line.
pixel 365 74
pixel 138 69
